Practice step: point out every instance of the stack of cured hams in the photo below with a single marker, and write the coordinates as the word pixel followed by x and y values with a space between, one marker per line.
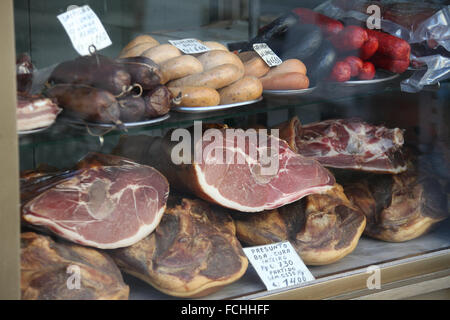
pixel 334 181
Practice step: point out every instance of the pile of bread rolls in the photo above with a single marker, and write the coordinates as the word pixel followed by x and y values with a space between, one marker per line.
pixel 289 75
pixel 216 77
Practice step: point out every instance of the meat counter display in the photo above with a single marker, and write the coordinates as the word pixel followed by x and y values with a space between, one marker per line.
pixel 148 169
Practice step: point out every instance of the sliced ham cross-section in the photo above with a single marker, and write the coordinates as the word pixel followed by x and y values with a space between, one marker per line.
pixel 105 202
pixel 236 185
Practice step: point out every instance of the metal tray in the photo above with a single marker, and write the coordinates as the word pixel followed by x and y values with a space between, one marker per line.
pixel 82 123
pixel 214 108
pixel 289 93
pixel 380 77
pixel 27 132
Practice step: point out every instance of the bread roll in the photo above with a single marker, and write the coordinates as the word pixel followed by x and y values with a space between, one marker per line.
pixel 162 53
pixel 216 78
pixel 137 50
pixel 196 96
pixel 254 65
pixel 214 58
pixel 285 81
pixel 214 45
pixel 248 88
pixel 180 67
pixel 143 38
pixel 289 65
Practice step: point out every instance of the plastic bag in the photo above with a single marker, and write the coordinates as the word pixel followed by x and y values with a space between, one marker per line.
pixel 433 30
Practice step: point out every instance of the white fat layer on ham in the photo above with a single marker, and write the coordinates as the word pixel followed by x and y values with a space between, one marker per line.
pixel 143 231
pixel 36 122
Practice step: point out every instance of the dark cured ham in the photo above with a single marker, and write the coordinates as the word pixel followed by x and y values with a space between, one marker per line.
pixel 105 202
pixel 323 228
pixel 192 253
pixel 347 144
pixel 238 186
pixel 47 267
pixel 398 207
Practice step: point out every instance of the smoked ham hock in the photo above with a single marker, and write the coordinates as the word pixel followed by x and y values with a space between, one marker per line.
pixel 398 207
pixel 105 202
pixel 241 186
pixel 323 228
pixel 192 253
pixel 347 144
pixel 47 267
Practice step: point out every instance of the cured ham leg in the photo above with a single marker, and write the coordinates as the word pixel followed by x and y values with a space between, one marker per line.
pixel 323 228
pixel 398 207
pixel 48 267
pixel 106 202
pixel 347 144
pixel 240 186
pixel 192 253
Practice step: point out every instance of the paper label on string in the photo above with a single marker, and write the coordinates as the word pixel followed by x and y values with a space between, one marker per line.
pixel 84 29
pixel 267 54
pixel 278 265
pixel 189 46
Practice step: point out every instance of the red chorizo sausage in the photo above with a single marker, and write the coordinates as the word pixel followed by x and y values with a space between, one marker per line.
pixel 328 25
pixel 391 46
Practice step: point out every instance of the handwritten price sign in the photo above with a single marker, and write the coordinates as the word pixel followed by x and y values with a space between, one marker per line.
pixel 278 265
pixel 84 29
pixel 189 46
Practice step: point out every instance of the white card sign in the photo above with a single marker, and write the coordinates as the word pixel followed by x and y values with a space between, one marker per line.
pixel 84 29
pixel 267 54
pixel 189 46
pixel 278 265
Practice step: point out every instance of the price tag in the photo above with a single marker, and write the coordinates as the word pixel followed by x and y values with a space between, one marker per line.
pixel 267 54
pixel 278 265
pixel 84 29
pixel 189 46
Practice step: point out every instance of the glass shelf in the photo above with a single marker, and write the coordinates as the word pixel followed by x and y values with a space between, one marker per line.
pixel 61 132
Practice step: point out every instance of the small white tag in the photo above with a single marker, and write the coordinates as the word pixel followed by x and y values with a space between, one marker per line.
pixel 84 29
pixel 267 54
pixel 189 46
pixel 278 265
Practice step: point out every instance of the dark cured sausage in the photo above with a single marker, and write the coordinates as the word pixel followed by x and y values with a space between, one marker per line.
pixel 143 71
pixel 300 42
pixel 24 71
pixel 96 71
pixel 273 30
pixel 132 109
pixel 157 102
pixel 321 62
pixel 87 103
